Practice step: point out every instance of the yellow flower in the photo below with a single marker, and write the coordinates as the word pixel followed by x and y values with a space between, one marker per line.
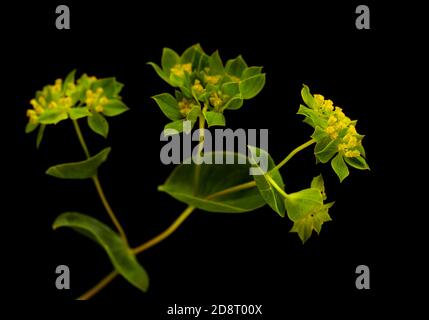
pixel 180 69
pixel 197 87
pixel 185 107
pixel 212 79
pixel 215 100
pixel 99 108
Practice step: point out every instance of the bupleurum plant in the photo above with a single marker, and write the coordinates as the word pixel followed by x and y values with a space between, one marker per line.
pixel 205 89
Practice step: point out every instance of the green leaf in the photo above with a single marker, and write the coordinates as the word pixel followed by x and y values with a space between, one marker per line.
pixel 107 84
pixel 168 105
pixel 215 63
pixel 160 72
pixel 120 254
pixel 30 127
pixel 98 124
pixel 173 128
pixel 300 204
pixel 194 113
pixel 213 179
pixel 357 162
pixel 250 72
pixel 312 221
pixel 79 112
pixel 340 167
pixel 118 88
pixel 79 170
pixel 52 116
pixel 271 196
pixel 40 135
pixel 233 104
pixel 114 108
pixel 250 87
pixel 189 54
pixel 235 67
pixel 318 183
pixel 307 96
pixel 328 152
pixel 69 79
pixel 231 89
pixel 168 60
pixel 214 118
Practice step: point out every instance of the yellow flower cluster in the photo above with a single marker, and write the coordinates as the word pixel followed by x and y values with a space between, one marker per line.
pixel 215 100
pixel 57 100
pixel 185 107
pixel 96 100
pixel 198 87
pixel 337 122
pixel 211 79
pixel 180 69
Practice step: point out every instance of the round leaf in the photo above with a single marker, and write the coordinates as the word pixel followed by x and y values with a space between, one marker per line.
pixel 214 178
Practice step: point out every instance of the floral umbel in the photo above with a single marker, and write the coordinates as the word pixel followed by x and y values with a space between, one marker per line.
pixel 69 99
pixel 335 134
pixel 204 85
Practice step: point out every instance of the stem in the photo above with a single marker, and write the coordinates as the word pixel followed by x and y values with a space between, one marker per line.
pixel 109 208
pixel 294 152
pixel 106 280
pixel 81 139
pixel 276 186
pixel 99 286
pixel 165 234
pixel 201 122
pixel 98 185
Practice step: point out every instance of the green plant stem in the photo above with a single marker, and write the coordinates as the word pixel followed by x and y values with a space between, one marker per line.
pixel 99 286
pixel 166 233
pixel 294 152
pixel 276 186
pixel 185 214
pixel 201 127
pixel 98 186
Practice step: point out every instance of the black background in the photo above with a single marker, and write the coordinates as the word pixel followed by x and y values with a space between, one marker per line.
pixel 213 258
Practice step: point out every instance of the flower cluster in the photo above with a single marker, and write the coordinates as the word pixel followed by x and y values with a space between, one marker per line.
pixel 205 86
pixel 87 97
pixel 335 134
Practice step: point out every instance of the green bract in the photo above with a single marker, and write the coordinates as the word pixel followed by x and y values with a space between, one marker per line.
pixel 88 97
pixel 335 134
pixel 206 87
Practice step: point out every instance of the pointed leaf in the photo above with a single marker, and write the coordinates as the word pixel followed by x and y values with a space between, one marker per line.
pixel 98 124
pixel 79 112
pixel 357 162
pixel 40 135
pixel 328 152
pixel 250 72
pixel 79 170
pixel 235 67
pixel 340 167
pixel 205 192
pixel 168 60
pixel 30 127
pixel 160 72
pixel 52 116
pixel 271 196
pixel 168 105
pixel 214 118
pixel 250 87
pixel 114 108
pixel 300 204
pixel 120 254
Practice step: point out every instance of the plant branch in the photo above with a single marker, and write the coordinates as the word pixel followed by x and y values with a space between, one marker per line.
pixel 294 152
pixel 185 214
pixel 99 286
pixel 276 186
pixel 98 186
pixel 166 233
